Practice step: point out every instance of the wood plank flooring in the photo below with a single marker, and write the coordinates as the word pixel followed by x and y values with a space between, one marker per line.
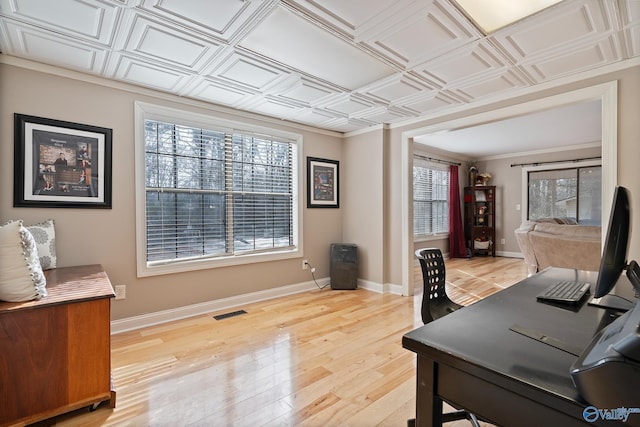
pixel 320 358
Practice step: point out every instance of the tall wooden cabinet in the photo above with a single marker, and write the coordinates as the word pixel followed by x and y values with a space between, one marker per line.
pixel 480 219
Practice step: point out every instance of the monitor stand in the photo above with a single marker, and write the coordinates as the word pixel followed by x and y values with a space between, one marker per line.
pixel 612 302
pixel 616 302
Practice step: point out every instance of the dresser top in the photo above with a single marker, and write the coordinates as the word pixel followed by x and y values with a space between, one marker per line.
pixel 69 284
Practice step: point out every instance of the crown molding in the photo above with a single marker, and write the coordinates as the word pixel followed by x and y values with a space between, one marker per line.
pixel 139 90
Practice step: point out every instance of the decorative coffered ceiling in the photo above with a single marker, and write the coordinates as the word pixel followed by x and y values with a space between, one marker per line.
pixel 332 64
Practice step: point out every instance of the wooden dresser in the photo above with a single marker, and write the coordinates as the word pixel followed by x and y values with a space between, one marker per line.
pixel 55 353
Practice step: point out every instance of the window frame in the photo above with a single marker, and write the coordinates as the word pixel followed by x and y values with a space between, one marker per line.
pixel 144 111
pixel 524 208
pixel 438 235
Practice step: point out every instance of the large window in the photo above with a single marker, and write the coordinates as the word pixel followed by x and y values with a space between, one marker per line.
pixel 214 194
pixel 574 193
pixel 430 198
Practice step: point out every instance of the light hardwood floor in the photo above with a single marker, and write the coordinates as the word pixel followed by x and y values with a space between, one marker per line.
pixel 320 358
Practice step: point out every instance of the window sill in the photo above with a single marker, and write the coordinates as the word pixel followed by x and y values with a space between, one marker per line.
pixel 145 270
pixel 431 238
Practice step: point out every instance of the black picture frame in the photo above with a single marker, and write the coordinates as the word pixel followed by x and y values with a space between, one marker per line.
pixel 59 164
pixel 323 183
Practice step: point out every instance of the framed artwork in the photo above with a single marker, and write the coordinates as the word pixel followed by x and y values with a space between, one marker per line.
pixel 61 164
pixel 323 183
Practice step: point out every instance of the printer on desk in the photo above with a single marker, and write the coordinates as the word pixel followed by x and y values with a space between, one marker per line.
pixel 607 373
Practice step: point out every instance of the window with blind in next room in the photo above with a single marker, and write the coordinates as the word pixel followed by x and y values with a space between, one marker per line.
pixel 430 198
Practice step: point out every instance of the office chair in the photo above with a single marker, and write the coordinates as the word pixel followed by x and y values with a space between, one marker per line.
pixel 436 304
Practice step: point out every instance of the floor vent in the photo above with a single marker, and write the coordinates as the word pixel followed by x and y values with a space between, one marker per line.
pixel 231 314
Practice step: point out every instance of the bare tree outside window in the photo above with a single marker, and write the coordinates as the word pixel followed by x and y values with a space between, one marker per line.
pixel 574 194
pixel 213 193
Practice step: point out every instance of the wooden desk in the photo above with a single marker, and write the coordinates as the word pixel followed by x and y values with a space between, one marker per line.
pixel 55 353
pixel 471 357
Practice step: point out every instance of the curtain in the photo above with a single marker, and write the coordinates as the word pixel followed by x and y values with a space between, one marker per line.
pixel 457 248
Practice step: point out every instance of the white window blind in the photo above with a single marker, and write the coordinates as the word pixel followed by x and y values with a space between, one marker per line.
pixel 216 192
pixel 430 198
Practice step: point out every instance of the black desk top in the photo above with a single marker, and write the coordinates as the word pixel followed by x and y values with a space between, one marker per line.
pixel 479 336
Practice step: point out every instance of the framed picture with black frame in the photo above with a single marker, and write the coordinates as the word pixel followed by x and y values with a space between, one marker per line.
pixel 60 164
pixel 323 183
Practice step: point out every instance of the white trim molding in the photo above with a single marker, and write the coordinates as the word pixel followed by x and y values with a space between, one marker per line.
pixel 208 307
pixel 607 93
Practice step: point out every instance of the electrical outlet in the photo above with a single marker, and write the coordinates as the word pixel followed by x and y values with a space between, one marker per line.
pixel 503 241
pixel 305 264
pixel 121 291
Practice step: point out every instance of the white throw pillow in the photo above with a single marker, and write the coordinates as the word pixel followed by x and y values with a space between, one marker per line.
pixel 44 234
pixel 21 277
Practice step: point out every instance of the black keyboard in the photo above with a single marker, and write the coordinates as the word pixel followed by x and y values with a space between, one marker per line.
pixel 567 292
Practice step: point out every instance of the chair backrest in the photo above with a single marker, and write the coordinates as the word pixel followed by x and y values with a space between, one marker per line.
pixel 434 278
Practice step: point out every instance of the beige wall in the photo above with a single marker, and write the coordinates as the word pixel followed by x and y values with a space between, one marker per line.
pixel 362 202
pixel 87 236
pixel 393 208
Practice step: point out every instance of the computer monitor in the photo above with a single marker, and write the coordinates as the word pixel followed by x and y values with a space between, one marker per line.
pixel 614 254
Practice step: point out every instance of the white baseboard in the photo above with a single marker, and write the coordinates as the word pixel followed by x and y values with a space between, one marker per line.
pixel 393 289
pixel 387 288
pixel 371 286
pixel 509 254
pixel 151 319
pixel 498 253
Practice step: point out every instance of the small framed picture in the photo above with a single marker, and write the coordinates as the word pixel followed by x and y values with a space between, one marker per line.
pixel 61 164
pixel 323 181
pixel 481 196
